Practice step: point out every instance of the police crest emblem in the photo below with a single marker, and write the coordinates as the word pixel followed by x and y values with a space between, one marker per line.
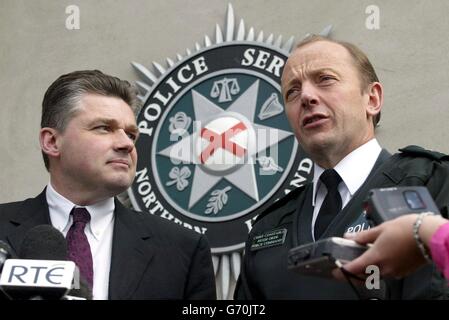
pixel 215 147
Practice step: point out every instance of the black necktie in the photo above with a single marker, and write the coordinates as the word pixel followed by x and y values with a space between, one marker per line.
pixel 331 204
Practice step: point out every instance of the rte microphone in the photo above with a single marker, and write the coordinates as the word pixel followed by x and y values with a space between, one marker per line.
pixel 43 272
pixel 45 242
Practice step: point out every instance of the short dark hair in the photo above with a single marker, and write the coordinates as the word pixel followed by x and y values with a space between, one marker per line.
pixel 61 101
pixel 364 67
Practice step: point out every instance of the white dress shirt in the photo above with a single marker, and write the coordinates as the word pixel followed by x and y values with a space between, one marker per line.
pixel 98 231
pixel 353 170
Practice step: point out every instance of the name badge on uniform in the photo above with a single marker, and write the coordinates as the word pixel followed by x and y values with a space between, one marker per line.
pixel 269 239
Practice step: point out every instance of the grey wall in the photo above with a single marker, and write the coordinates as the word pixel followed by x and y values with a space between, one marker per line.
pixel 409 51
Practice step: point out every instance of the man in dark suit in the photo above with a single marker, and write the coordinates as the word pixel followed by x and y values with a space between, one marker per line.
pixel 333 100
pixel 87 137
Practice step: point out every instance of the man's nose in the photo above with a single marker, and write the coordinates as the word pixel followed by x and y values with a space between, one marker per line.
pixel 309 95
pixel 123 141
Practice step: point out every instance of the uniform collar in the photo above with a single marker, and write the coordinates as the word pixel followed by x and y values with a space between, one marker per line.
pixel 353 169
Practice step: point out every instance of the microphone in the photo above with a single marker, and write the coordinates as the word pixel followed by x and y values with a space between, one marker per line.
pixel 43 242
pixel 5 253
pixel 83 292
pixel 43 271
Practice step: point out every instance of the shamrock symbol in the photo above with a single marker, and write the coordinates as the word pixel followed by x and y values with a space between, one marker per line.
pixel 179 177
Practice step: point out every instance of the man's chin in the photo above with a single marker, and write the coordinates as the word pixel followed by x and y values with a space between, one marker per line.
pixel 318 143
pixel 118 186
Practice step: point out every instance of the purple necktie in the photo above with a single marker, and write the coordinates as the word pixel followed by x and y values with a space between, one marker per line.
pixel 78 246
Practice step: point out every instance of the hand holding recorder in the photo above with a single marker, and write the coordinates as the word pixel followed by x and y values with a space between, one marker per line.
pixel 407 217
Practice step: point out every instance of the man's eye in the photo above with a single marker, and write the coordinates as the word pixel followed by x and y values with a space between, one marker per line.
pixel 132 136
pixel 292 93
pixel 326 78
pixel 103 128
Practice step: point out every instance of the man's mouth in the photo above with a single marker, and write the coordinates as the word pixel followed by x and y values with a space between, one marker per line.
pixel 120 162
pixel 313 119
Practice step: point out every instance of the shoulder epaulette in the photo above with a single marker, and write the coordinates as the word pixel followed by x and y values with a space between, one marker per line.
pixel 417 151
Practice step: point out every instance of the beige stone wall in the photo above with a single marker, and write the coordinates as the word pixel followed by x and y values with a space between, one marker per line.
pixel 409 51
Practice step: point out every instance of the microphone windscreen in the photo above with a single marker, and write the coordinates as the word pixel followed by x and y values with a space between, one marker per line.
pixel 43 242
pixel 5 253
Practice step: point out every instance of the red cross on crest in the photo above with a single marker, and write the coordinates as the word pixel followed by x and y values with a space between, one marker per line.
pixel 222 141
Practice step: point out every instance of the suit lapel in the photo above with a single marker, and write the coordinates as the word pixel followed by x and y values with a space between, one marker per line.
pixel 34 212
pixel 131 254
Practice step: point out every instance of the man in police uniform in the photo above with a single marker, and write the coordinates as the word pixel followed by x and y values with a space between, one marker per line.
pixel 333 100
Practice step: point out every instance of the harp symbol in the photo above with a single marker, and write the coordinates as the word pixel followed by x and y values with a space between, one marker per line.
pixel 270 108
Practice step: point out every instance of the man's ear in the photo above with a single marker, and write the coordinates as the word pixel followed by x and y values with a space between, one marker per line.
pixel 375 99
pixel 48 138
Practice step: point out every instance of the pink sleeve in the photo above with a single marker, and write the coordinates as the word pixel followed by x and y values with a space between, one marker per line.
pixel 439 248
